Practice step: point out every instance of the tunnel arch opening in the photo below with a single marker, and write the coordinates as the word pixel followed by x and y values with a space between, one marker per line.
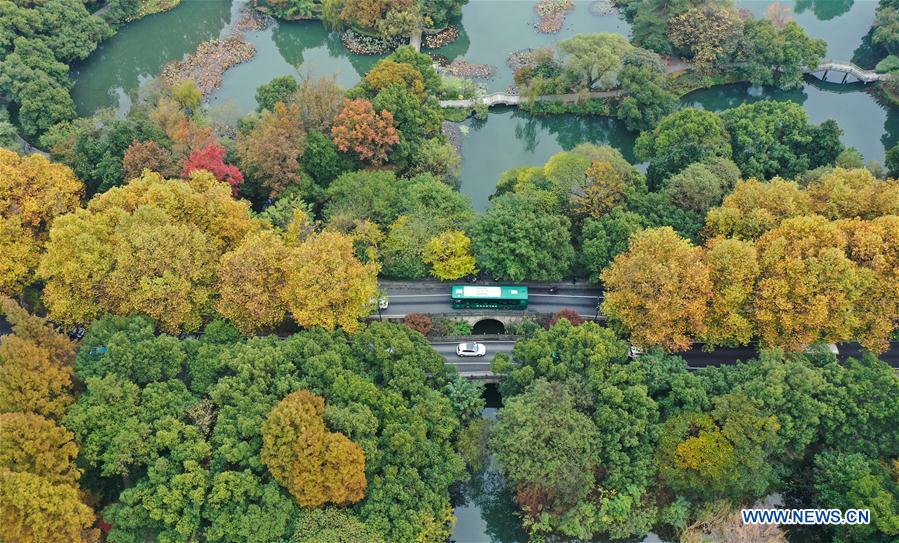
pixel 488 326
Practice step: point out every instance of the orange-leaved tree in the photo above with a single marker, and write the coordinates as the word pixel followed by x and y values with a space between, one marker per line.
pixel 364 132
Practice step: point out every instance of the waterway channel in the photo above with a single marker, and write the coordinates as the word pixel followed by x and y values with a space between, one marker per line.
pixel 490 30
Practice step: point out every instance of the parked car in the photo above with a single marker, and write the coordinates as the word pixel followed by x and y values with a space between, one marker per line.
pixel 471 349
pixel 634 352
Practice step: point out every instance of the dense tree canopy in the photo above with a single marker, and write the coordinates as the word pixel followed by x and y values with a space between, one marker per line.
pixel 33 192
pixel 515 239
pixel 218 435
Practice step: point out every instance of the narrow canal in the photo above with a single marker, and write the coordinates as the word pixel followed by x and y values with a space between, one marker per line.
pixel 484 506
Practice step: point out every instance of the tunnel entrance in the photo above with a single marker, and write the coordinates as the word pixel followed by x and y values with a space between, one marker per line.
pixel 488 326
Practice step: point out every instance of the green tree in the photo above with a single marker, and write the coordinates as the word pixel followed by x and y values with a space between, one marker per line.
pixel 771 138
pixel 852 481
pixel 322 160
pixel 331 525
pixel 546 447
pixel 777 56
pixel 516 240
pixel 686 136
pixel 695 188
pixel 277 90
pixel 607 237
pixel 647 101
pixel 595 59
pixel 725 453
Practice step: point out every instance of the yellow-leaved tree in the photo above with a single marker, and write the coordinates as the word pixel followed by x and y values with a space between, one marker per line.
pixel 151 246
pixel 40 501
pixel 450 255
pixel 326 285
pixel 808 289
pixel 733 270
pixel 33 192
pixel 754 207
pixel 315 465
pixel 659 290
pixel 252 278
pixel 35 365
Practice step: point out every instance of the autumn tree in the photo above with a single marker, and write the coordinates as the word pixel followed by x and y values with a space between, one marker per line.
pixel 34 510
pixel 35 365
pixel 874 245
pixel 150 247
pixel 316 466
pixel 848 193
pixel 212 159
pixel 808 289
pixel 362 131
pixel 707 34
pixel 320 100
pixel 389 72
pixel 30 443
pixel 733 269
pixel 326 285
pixel 646 290
pixel 33 191
pixel 755 207
pixel 148 155
pixel 450 256
pixel 270 153
pixel 604 189
pixel 251 280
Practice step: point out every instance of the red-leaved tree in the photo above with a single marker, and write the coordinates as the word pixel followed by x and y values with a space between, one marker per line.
pixel 368 134
pixel 212 159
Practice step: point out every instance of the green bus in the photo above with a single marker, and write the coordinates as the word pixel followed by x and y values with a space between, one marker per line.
pixel 475 297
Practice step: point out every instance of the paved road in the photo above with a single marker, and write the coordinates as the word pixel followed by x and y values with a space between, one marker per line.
pixel 434 297
pixel 478 365
pixel 696 358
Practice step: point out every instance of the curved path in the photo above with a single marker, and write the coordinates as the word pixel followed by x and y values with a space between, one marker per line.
pixel 505 99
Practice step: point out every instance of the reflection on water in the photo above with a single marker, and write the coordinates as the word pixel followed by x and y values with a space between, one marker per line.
pixel 509 138
pixel 139 50
pixel 485 509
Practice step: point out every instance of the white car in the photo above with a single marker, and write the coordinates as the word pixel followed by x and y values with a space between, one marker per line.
pixel 471 349
pixel 634 352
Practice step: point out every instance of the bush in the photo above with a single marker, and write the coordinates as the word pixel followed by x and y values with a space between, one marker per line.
pixel 525 328
pixel 442 326
pixel 419 322
pixel 569 314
